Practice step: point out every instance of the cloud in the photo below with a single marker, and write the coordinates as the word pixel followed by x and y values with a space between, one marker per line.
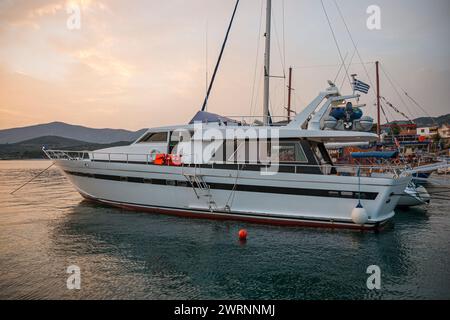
pixel 103 62
pixel 142 63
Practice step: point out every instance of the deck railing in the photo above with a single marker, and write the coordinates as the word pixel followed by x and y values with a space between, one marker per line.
pixel 147 159
pixel 256 120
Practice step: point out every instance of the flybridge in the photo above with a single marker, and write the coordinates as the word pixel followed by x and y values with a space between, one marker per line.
pixel 330 112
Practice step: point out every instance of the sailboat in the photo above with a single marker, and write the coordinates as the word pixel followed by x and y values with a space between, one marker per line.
pixel 221 168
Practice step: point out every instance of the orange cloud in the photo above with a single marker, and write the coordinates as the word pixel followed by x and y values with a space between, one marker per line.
pixel 101 60
pixel 142 63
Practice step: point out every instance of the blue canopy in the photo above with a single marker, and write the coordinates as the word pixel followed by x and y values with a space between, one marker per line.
pixel 375 154
pixel 205 117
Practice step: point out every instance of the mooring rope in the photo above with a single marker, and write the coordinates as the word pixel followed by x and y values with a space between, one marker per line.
pixel 32 178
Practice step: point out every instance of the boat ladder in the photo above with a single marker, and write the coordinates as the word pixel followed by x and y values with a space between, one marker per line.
pixel 201 189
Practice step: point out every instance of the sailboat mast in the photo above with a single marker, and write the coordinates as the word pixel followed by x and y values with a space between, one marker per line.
pixel 208 92
pixel 377 64
pixel 267 64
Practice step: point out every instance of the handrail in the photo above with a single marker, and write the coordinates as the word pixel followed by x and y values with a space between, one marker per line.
pixel 253 117
pixel 365 170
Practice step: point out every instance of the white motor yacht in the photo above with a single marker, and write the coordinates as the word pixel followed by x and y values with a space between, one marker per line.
pixel 206 169
pixel 221 168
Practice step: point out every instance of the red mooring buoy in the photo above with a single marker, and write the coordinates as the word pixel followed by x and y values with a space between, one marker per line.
pixel 243 234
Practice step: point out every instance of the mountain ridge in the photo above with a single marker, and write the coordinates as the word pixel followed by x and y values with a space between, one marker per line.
pixel 110 135
pixel 426 121
pixel 432 121
pixel 69 131
pixel 32 149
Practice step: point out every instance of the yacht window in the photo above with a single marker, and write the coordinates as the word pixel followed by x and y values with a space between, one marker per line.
pixel 181 135
pixel 320 153
pixel 182 183
pixel 178 143
pixel 290 152
pixel 154 137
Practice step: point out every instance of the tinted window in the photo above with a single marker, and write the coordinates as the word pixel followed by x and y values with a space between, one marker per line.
pixel 291 152
pixel 155 137
pixel 181 136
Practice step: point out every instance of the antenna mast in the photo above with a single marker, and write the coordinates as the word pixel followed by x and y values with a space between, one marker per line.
pixel 289 111
pixel 267 64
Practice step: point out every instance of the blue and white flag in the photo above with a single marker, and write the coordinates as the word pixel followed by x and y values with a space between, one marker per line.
pixel 361 86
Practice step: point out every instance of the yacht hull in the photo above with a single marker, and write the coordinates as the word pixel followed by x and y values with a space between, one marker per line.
pixel 249 218
pixel 283 199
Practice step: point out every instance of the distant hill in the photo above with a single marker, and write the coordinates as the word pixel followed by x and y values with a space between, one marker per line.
pixel 432 121
pixel 32 149
pixel 64 130
pixel 427 121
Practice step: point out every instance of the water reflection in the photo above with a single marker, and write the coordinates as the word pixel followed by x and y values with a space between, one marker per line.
pixel 124 254
pixel 212 263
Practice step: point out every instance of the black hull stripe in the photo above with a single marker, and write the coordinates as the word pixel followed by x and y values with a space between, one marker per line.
pixel 239 187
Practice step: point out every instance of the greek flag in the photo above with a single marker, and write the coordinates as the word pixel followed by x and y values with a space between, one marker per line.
pixel 361 86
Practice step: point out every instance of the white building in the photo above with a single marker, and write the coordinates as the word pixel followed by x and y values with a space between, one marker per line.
pixel 444 131
pixel 427 131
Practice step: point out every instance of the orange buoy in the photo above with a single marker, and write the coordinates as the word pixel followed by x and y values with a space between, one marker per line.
pixel 243 234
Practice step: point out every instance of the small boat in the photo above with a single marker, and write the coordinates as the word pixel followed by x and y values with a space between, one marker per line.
pixel 422 177
pixel 421 174
pixel 414 195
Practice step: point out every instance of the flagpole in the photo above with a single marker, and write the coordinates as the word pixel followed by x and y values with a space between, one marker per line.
pixel 353 83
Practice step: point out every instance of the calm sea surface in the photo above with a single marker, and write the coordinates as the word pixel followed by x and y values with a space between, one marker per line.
pixel 46 227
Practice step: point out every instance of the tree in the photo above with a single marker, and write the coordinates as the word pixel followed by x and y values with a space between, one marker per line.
pixel 437 141
pixel 437 138
pixel 395 128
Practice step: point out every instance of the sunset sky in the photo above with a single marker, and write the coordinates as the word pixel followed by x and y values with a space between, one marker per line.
pixel 142 63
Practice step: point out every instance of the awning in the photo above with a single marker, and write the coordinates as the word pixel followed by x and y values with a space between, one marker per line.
pixel 207 117
pixel 375 154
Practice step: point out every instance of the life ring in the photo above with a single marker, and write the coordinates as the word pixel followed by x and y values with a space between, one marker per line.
pixel 397 162
pixel 174 160
pixel 153 154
